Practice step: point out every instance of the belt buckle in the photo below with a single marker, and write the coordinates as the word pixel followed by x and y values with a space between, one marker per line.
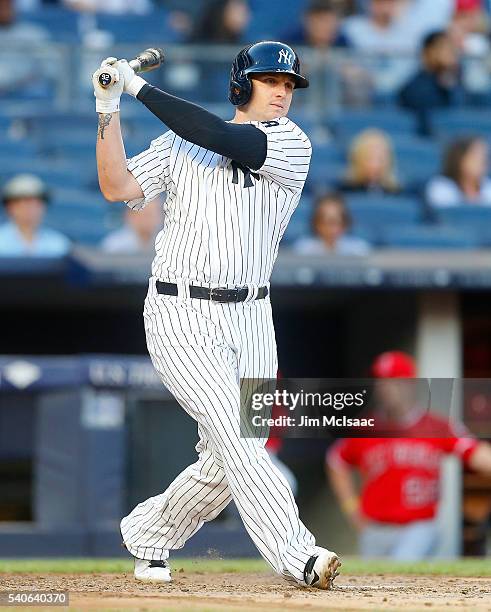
pixel 215 296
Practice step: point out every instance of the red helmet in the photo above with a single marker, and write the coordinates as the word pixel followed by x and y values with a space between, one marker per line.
pixel 394 364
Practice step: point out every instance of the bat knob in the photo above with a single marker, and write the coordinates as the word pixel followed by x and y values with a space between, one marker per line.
pixel 105 79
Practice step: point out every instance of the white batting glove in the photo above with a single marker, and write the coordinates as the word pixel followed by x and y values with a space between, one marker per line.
pixel 107 99
pixel 132 82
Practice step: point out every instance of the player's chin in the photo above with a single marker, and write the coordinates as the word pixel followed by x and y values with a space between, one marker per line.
pixel 275 112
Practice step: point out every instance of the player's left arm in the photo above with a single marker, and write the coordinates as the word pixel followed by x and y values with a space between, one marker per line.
pixel 243 143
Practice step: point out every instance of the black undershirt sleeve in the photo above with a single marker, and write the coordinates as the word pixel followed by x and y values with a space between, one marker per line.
pixel 244 143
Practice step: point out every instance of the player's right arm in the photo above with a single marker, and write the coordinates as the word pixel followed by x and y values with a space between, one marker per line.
pixel 116 182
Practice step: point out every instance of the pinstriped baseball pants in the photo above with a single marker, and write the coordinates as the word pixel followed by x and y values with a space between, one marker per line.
pixel 201 350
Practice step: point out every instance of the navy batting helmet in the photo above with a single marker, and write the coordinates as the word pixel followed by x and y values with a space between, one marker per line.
pixel 266 56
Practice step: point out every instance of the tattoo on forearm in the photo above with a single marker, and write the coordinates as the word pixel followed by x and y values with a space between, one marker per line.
pixel 104 121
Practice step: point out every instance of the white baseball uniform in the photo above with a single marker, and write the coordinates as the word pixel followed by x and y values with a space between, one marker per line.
pixel 223 224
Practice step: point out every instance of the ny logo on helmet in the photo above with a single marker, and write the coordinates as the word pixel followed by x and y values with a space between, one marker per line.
pixel 286 57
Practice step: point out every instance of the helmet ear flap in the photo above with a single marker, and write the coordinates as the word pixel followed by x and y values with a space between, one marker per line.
pixel 240 91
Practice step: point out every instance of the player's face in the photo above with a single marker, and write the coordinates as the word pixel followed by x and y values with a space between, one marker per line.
pixel 271 96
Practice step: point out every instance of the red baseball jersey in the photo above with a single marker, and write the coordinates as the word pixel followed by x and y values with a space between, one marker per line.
pixel 401 476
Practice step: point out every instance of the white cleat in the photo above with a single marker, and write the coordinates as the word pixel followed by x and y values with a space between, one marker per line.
pixel 321 569
pixel 152 571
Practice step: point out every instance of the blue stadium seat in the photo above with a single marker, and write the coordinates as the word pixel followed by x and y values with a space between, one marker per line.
pixel 417 159
pixel 80 214
pixel 152 29
pixel 299 223
pixel 392 120
pixel 78 200
pixel 60 22
pixel 270 19
pixel 380 211
pixel 451 123
pixel 63 173
pixel 473 218
pixel 466 214
pixel 430 237
pixel 327 164
pixel 17 149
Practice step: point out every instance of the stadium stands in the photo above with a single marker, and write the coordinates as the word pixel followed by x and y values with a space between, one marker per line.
pixel 55 137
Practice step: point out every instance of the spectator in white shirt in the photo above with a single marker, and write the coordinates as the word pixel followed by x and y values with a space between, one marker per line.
pixel 331 223
pixel 464 177
pixel 114 7
pixel 389 37
pixel 138 232
pixel 25 198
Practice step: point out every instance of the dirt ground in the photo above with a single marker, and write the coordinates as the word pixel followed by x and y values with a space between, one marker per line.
pixel 210 592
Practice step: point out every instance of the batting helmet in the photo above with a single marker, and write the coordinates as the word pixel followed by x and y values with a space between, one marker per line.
pixel 24 186
pixel 261 57
pixel 394 364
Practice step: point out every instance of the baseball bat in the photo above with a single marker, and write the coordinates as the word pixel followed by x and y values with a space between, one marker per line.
pixel 147 60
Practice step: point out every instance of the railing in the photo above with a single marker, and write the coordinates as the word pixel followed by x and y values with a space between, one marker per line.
pixel 59 74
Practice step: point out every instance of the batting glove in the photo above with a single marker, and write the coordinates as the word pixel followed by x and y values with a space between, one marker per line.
pixel 132 82
pixel 107 99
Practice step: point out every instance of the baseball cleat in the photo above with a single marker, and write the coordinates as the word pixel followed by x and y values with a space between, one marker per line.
pixel 321 569
pixel 152 571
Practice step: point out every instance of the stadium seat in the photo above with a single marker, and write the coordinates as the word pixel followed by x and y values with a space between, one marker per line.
pixel 448 124
pixel 466 214
pixel 64 174
pixel 17 149
pixel 417 159
pixel 81 214
pixel 60 22
pixel 378 211
pixel 327 164
pixel 152 29
pixel 473 218
pixel 78 199
pixel 392 120
pixel 299 223
pixel 270 19
pixel 429 237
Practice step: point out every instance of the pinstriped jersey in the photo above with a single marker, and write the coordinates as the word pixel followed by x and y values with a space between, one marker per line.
pixel 222 221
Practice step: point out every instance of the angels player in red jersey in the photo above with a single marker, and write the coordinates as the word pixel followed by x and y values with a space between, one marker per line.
pixel 395 512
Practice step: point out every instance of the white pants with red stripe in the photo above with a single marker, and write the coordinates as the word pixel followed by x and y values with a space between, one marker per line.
pixel 201 350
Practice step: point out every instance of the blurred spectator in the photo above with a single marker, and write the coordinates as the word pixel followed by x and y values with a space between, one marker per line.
pixel 464 178
pixel 25 198
pixel 138 232
pixel 26 76
pixel 437 83
pixel 330 223
pixel 223 21
pixel 320 27
pixel 115 7
pixel 371 165
pixel 386 41
pixel 425 16
pixel 469 31
pixel 395 513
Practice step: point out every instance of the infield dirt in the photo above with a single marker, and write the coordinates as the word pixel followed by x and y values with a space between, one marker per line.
pixel 258 592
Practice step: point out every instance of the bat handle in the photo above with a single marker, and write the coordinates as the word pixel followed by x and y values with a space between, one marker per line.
pixel 105 80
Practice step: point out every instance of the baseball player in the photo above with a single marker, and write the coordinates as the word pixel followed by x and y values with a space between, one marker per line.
pixel 231 188
pixel 395 513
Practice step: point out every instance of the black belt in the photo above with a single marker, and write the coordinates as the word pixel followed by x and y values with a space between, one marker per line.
pixel 217 294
